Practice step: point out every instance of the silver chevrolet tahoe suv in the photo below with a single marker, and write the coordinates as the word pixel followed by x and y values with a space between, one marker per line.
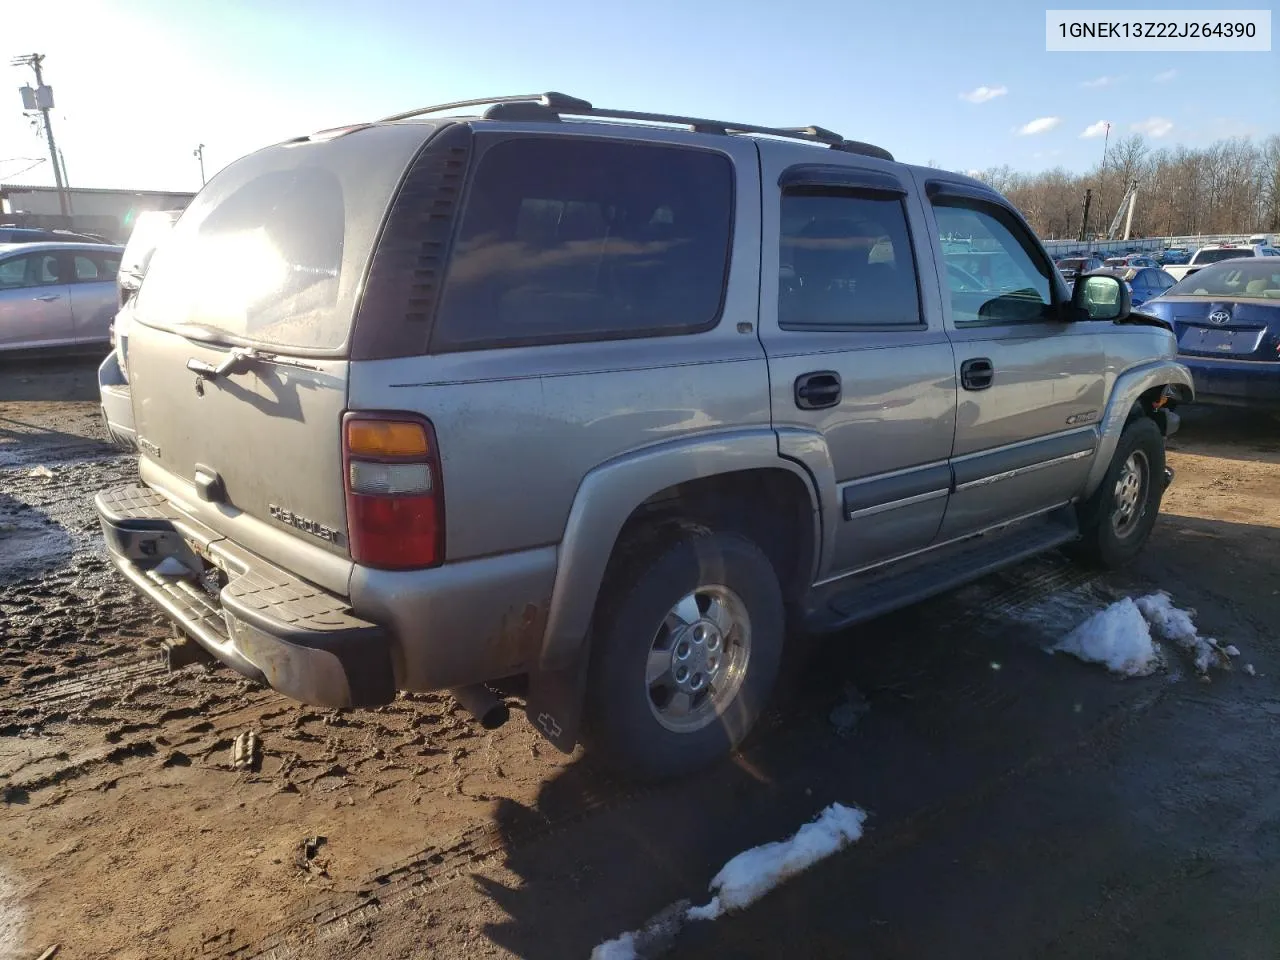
pixel 613 401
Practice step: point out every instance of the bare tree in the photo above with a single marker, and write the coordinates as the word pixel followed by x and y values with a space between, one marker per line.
pixel 1232 186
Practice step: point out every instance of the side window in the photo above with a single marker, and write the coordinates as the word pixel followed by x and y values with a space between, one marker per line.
pixel 33 270
pixel 1016 285
pixel 86 269
pixel 108 267
pixel 13 273
pixel 567 240
pixel 845 262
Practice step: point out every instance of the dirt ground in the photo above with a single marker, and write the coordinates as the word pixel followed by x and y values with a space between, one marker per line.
pixel 1021 804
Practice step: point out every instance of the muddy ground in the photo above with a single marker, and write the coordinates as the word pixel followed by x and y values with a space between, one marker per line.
pixel 1021 804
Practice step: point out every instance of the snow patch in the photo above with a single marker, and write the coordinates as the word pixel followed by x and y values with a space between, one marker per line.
pixel 753 873
pixel 1177 626
pixel 1118 638
pixel 742 881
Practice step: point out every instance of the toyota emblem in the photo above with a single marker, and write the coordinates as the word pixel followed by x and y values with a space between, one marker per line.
pixel 1219 317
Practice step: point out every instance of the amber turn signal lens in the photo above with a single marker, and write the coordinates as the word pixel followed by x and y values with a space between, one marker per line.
pixel 386 438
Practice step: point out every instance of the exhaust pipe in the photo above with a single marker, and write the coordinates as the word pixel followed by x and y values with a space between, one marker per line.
pixel 479 701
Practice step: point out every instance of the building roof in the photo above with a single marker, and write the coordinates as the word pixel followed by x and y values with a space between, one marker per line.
pixel 114 191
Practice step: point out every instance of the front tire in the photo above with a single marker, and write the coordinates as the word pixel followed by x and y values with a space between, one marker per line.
pixel 1116 521
pixel 685 656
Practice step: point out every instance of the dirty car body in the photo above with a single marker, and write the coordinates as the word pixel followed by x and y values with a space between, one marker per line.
pixel 430 402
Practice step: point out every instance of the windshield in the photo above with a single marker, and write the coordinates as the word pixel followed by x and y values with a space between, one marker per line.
pixel 1257 279
pixel 1076 265
pixel 1213 256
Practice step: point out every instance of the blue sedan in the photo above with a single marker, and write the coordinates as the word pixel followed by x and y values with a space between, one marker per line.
pixel 1227 320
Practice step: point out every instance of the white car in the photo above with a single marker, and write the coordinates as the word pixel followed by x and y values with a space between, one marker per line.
pixel 1215 252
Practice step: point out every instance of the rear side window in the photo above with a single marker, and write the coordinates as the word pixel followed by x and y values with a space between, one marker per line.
pixel 845 262
pixel 566 240
pixel 91 268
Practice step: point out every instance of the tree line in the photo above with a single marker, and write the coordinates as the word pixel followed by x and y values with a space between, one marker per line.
pixel 1232 186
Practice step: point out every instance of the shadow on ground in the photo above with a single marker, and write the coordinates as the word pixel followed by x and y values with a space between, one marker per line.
pixel 1022 804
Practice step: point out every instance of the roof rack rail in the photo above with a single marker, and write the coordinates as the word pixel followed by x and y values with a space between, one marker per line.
pixel 551 105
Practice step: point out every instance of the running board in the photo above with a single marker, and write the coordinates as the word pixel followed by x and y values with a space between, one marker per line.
pixel 861 597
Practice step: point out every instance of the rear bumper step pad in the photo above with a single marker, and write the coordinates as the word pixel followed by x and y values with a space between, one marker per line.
pixel 265 623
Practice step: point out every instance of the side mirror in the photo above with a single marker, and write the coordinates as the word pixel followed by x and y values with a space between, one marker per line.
pixel 1100 297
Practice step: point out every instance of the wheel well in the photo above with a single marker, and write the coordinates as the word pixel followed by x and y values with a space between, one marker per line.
pixel 770 506
pixel 1150 404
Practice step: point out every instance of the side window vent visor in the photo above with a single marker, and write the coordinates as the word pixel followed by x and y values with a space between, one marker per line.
pixel 408 267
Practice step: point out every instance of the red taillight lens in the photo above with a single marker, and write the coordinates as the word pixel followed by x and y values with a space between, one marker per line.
pixel 395 505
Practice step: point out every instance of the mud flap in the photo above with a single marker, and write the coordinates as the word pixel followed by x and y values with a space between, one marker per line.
pixel 555 700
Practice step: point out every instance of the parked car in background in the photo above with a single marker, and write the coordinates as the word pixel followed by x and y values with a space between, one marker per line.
pixel 1227 320
pixel 57 295
pixel 437 400
pixel 1173 256
pixel 1216 253
pixel 1130 260
pixel 11 234
pixel 1143 282
pixel 1072 267
pixel 149 230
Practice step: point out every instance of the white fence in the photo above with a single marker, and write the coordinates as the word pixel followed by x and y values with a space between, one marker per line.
pixel 1060 248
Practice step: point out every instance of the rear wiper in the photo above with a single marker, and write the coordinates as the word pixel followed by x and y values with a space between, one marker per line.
pixel 238 359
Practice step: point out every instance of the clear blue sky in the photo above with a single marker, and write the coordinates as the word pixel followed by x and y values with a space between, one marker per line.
pixel 140 82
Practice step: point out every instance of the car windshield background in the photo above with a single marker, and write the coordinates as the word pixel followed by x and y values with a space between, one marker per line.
pixel 566 240
pixel 1257 279
pixel 845 261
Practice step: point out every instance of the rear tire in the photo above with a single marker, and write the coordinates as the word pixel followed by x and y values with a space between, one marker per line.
pixel 686 652
pixel 1116 521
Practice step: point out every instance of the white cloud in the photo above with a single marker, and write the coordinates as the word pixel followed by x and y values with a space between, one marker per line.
pixel 1164 76
pixel 1100 82
pixel 1098 129
pixel 1152 126
pixel 1039 125
pixel 983 94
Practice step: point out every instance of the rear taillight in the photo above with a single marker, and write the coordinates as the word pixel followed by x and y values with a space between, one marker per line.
pixel 395 505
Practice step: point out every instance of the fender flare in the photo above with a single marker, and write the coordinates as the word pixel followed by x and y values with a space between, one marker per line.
pixel 1129 386
pixel 610 493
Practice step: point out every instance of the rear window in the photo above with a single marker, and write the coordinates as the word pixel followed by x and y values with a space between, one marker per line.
pixel 274 249
pixel 1256 279
pixel 565 240
pixel 1214 256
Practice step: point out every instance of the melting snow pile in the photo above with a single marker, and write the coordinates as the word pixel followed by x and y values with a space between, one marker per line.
pixel 751 874
pixel 744 880
pixel 1119 637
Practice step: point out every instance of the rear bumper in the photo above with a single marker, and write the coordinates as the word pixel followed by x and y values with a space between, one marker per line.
pixel 117 403
pixel 1238 382
pixel 264 622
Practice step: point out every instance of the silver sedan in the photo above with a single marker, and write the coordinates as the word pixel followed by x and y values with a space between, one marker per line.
pixel 57 295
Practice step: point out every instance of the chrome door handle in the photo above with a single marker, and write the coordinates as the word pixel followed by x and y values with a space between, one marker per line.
pixel 48 299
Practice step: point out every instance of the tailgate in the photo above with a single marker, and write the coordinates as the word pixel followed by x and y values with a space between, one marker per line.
pixel 238 354
pixel 264 442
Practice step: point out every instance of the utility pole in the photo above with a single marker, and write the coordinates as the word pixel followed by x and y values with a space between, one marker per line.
pixel 1084 217
pixel 198 153
pixel 42 99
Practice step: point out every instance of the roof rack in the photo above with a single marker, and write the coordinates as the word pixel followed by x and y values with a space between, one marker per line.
pixel 551 106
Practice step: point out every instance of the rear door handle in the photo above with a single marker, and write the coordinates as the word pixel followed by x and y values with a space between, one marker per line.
pixel 817 390
pixel 977 374
pixel 48 298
